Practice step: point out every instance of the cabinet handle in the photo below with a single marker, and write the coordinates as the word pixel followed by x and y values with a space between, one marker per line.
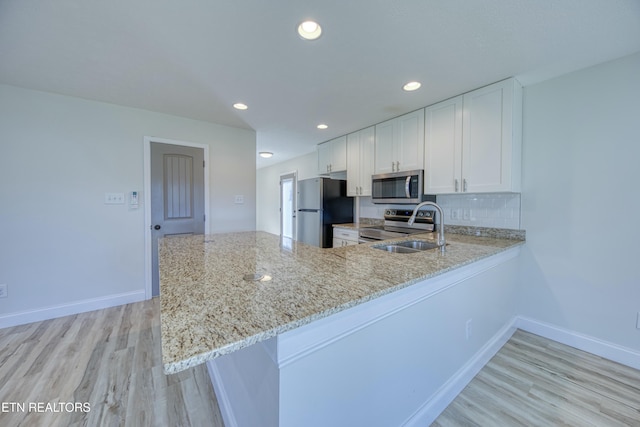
pixel 456 185
pixel 397 166
pixel 464 185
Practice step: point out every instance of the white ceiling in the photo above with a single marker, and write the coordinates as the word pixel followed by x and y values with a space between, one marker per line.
pixel 195 58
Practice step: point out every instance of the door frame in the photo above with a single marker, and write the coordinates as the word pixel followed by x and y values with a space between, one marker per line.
pixel 294 175
pixel 147 200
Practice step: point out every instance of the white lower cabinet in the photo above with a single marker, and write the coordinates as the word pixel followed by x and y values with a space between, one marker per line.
pixel 344 237
pixel 473 142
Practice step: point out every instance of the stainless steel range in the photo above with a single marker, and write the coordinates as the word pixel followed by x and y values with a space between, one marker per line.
pixel 396 225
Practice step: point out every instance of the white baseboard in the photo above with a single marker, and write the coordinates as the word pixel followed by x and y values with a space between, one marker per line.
pixel 52 312
pixel 604 349
pixel 432 408
pixel 221 395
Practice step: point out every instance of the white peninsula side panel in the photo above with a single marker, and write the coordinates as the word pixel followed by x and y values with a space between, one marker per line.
pixel 396 360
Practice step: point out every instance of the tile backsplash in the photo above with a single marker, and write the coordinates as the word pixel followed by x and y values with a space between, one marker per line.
pixel 493 210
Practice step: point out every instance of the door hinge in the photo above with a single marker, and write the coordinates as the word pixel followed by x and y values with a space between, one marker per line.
pixel 204 218
pixel 203 163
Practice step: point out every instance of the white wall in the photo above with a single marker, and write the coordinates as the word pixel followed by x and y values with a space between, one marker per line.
pixel 59 242
pixel 580 202
pixel 268 189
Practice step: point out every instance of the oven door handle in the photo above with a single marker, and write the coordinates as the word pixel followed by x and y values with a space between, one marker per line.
pixel 407 187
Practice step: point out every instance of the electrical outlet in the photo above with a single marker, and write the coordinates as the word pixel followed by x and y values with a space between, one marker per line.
pixel 114 198
pixel 4 290
pixel 468 329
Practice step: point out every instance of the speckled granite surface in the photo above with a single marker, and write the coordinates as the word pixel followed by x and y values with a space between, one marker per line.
pixel 354 226
pixel 208 309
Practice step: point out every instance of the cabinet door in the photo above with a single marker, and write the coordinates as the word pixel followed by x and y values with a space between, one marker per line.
pixel 353 164
pixel 443 147
pixel 384 155
pixel 487 138
pixel 367 147
pixel 409 141
pixel 324 158
pixel 339 154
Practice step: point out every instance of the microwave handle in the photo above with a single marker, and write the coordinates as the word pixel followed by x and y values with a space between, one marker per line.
pixel 407 187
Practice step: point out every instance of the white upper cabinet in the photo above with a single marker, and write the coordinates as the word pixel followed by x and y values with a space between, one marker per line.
pixel 332 156
pixel 399 143
pixel 443 147
pixel 473 142
pixel 492 138
pixel 360 147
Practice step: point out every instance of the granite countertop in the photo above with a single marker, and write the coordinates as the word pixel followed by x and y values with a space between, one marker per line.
pixel 363 223
pixel 353 226
pixel 208 309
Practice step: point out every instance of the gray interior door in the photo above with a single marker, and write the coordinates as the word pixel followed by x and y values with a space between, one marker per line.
pixel 177 196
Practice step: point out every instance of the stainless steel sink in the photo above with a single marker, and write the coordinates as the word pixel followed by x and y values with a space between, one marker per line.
pixel 420 245
pixel 408 247
pixel 396 249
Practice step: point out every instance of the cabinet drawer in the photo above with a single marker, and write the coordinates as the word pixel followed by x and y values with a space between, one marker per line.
pixel 345 233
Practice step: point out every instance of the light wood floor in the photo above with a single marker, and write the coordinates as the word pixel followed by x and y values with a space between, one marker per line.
pixel 111 359
pixel 533 381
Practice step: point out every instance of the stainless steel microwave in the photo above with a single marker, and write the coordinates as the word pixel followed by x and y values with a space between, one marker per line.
pixel 398 187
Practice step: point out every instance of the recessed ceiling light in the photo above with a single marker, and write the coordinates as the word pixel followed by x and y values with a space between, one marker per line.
pixel 322 126
pixel 411 86
pixel 240 106
pixel 309 30
pixel 265 154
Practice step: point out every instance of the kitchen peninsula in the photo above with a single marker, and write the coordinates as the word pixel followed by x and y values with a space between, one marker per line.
pixel 337 330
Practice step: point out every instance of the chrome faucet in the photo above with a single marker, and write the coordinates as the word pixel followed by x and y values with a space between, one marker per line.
pixel 441 241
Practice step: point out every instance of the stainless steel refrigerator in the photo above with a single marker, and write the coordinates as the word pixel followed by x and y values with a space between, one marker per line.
pixel 322 202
